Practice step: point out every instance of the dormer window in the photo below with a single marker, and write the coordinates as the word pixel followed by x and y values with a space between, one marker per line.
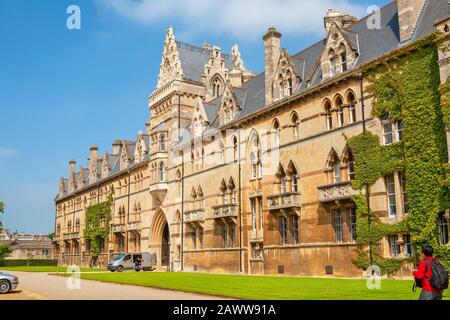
pixel 216 86
pixel 343 57
pixel 332 60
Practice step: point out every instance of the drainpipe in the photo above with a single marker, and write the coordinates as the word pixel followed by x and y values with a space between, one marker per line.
pixel 367 185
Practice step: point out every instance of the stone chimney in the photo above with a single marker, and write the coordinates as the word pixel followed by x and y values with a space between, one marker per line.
pixel 272 51
pixel 72 164
pixel 408 14
pixel 343 20
pixel 93 164
pixel 116 147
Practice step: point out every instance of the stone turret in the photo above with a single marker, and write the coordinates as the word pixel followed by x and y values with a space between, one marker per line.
pixel 93 164
pixel 343 20
pixel 72 165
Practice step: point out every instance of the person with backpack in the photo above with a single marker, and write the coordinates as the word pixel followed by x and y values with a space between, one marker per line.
pixel 430 276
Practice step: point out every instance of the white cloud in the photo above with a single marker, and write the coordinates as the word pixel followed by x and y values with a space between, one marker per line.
pixel 239 19
pixel 6 152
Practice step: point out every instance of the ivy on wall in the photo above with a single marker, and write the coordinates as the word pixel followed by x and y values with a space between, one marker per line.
pixel 94 231
pixel 405 88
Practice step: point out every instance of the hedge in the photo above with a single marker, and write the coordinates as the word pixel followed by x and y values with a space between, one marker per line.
pixel 30 263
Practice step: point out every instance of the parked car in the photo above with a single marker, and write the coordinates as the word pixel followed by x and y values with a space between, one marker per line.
pixel 137 261
pixel 8 282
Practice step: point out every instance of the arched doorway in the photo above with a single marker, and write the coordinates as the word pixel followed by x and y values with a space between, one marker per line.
pixel 160 238
pixel 165 248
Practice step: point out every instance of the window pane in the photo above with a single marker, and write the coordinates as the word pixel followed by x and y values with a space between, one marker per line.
pixel 390 186
pixel 387 133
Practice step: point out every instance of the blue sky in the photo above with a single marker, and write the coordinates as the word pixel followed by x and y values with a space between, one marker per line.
pixel 62 90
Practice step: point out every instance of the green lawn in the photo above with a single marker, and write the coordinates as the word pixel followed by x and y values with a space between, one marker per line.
pixel 51 269
pixel 263 288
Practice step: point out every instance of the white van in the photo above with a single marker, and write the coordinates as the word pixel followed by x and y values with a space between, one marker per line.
pixel 137 261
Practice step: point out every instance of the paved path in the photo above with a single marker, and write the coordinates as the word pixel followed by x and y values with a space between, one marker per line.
pixel 41 286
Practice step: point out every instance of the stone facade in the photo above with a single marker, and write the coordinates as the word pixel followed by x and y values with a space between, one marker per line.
pixel 240 172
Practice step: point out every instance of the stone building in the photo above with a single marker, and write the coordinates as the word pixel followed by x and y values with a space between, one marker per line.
pixel 245 172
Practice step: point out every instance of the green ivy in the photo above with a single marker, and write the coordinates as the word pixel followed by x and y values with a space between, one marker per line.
pixel 407 88
pixel 93 231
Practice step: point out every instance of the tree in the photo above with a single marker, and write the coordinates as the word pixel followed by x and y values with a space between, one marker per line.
pixel 5 251
pixel 51 235
pixel 2 210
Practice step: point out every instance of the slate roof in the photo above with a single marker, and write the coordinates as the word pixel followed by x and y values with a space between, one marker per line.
pixel 193 60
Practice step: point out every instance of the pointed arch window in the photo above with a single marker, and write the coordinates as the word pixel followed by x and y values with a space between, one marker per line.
pixel 162 143
pixel 332 60
pixel 292 171
pixel 254 164
pixel 343 57
pixel 296 126
pixel 329 116
pixel 352 107
pixel 162 172
pixel 340 111
pixel 277 131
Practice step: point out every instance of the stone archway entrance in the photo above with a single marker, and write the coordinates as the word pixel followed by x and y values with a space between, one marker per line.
pixel 160 238
pixel 165 248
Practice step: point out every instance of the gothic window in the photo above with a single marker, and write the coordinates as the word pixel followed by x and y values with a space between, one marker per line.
pixel 290 86
pixel 349 161
pixel 352 107
pixel 277 131
pixel 329 115
pixel 217 86
pixel 296 126
pixel 292 171
pixel 340 110
pixel 162 172
pixel 281 86
pixel 332 60
pixel 254 164
pixel 343 58
pixel 162 143
pixel 281 179
pixel 334 165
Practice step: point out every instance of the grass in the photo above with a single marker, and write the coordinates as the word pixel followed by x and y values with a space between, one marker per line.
pixel 263 287
pixel 52 269
pixel 249 287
